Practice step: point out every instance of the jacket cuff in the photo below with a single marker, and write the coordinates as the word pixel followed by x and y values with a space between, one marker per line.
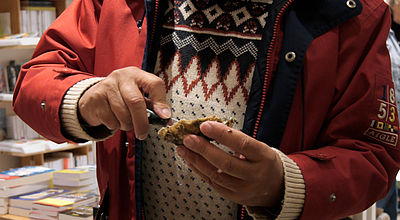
pixel 293 200
pixel 73 126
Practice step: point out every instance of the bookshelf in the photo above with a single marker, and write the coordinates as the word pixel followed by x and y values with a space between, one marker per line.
pixel 12 217
pixel 21 54
pixel 38 158
pixel 14 7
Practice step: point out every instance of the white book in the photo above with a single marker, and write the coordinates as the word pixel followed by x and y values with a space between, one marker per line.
pixel 23 146
pixel 19 211
pixel 3 210
pixel 39 215
pixel 24 22
pixel 91 187
pixel 3 201
pixel 13 191
pixel 73 182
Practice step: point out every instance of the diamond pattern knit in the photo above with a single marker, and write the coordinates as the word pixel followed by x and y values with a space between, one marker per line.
pixel 207 57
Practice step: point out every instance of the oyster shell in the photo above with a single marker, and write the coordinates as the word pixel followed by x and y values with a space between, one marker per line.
pixel 176 132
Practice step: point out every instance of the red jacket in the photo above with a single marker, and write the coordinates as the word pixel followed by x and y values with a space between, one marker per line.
pixel 341 127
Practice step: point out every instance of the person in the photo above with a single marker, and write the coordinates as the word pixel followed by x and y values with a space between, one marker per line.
pixel 389 204
pixel 307 82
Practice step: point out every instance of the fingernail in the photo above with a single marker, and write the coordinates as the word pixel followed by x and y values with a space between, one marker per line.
pixel 166 112
pixel 188 141
pixel 180 151
pixel 141 136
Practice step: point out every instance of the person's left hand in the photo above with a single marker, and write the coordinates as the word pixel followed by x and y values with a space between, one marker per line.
pixel 255 180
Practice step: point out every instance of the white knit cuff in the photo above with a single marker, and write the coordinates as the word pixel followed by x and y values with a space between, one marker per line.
pixel 293 200
pixel 69 109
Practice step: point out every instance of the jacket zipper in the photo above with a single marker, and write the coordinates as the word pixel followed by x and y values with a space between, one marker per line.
pixel 156 7
pixel 153 29
pixel 267 79
pixel 268 73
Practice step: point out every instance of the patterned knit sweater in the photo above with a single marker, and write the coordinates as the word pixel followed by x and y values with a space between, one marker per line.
pixel 206 58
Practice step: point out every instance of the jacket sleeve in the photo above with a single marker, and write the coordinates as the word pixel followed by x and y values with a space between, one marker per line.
pixel 63 57
pixel 355 159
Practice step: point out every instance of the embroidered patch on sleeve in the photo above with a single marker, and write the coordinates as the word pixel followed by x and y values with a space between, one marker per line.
pixel 384 127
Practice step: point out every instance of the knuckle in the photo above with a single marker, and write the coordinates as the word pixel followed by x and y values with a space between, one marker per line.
pixel 227 166
pixel 157 82
pixel 126 126
pixel 136 100
pixel 202 149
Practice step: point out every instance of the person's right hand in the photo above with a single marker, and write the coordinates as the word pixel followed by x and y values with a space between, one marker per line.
pixel 118 101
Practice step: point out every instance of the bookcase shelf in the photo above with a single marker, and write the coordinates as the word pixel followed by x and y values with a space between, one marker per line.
pixel 12 217
pixel 14 7
pixel 38 157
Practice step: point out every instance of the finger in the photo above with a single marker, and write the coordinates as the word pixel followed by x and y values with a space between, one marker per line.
pixel 120 110
pixel 238 141
pixel 155 88
pixel 107 117
pixel 213 174
pixel 218 158
pixel 134 99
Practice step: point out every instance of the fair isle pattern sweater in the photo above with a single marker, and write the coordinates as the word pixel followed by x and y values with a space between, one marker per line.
pixel 207 55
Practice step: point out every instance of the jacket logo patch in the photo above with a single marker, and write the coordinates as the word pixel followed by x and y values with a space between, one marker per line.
pixel 382 136
pixel 385 129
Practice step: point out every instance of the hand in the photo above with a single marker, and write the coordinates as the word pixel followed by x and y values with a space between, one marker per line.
pixel 118 101
pixel 256 180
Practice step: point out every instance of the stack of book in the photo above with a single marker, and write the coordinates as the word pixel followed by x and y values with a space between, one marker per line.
pixel 23 180
pixel 23 145
pixel 22 205
pixel 50 207
pixel 79 178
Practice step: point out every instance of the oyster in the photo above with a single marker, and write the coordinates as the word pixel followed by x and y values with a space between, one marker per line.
pixel 176 132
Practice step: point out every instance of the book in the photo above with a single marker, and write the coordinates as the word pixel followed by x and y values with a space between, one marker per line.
pixel 90 187
pixel 18 190
pixel 27 200
pixel 25 175
pixel 3 210
pixel 65 201
pixel 21 145
pixel 76 213
pixel 3 201
pixel 19 211
pixel 75 173
pixel 41 216
pixel 74 182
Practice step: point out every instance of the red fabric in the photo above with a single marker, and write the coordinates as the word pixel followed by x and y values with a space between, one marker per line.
pixel 340 102
pixel 345 72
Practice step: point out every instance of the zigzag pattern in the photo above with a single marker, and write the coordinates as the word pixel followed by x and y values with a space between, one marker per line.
pixel 210 43
pixel 191 82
